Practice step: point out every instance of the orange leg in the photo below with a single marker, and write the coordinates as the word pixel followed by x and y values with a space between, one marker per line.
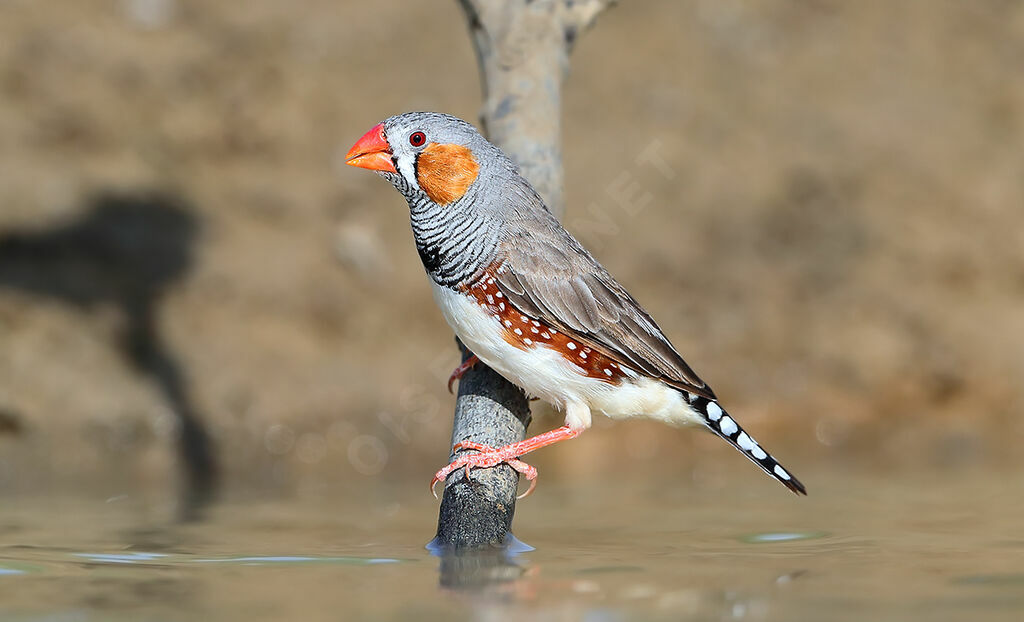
pixel 487 456
pixel 462 369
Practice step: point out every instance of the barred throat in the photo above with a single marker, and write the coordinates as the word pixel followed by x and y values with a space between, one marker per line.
pixel 455 243
pixel 723 425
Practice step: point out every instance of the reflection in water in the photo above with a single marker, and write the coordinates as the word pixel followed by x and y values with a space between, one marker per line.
pixel 479 568
pixel 10 571
pixel 121 558
pixel 258 560
pixel 125 250
pixel 776 536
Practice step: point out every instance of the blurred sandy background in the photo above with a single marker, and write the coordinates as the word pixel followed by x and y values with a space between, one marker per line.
pixel 836 244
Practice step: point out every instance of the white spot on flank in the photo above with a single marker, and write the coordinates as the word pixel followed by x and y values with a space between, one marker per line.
pixel 499 295
pixel 758 452
pixel 781 472
pixel 536 323
pixel 501 305
pixel 570 345
pixel 744 441
pixel 714 410
pixel 527 342
pixel 728 426
pixel 490 299
pixel 554 332
pixel 518 332
pixel 545 335
pixel 490 281
pixel 583 355
pixel 508 324
pixel 523 318
pixel 607 372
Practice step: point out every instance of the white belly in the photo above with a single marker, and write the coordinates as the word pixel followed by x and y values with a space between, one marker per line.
pixel 545 373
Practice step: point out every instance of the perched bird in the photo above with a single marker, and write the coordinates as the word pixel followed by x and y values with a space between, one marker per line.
pixel 528 300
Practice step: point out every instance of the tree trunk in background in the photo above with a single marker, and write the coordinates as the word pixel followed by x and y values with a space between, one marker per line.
pixel 523 50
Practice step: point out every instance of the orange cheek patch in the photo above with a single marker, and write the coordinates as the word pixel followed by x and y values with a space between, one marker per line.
pixel 445 172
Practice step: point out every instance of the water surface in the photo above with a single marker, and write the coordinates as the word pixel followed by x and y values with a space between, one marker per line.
pixel 859 548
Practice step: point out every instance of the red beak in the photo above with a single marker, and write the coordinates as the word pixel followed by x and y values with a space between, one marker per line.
pixel 372 151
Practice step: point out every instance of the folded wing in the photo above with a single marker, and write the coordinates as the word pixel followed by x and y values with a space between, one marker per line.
pixel 548 275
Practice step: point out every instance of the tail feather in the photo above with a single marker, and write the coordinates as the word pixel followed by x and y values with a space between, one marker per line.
pixel 726 427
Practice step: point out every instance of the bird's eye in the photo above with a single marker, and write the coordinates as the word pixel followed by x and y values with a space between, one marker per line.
pixel 417 139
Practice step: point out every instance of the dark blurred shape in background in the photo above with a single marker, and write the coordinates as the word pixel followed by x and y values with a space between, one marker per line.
pixel 123 250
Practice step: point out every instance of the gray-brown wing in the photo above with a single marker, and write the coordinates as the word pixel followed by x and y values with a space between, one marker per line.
pixel 554 279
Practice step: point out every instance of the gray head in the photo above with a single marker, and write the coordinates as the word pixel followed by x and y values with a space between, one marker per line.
pixel 429 156
pixel 461 189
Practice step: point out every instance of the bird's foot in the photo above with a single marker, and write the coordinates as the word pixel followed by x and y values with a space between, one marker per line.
pixel 485 458
pixel 462 369
pixel 488 456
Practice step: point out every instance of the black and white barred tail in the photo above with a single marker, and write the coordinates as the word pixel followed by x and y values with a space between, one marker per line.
pixel 726 427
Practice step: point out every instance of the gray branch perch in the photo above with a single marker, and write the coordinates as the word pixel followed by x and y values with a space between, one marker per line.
pixel 523 50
